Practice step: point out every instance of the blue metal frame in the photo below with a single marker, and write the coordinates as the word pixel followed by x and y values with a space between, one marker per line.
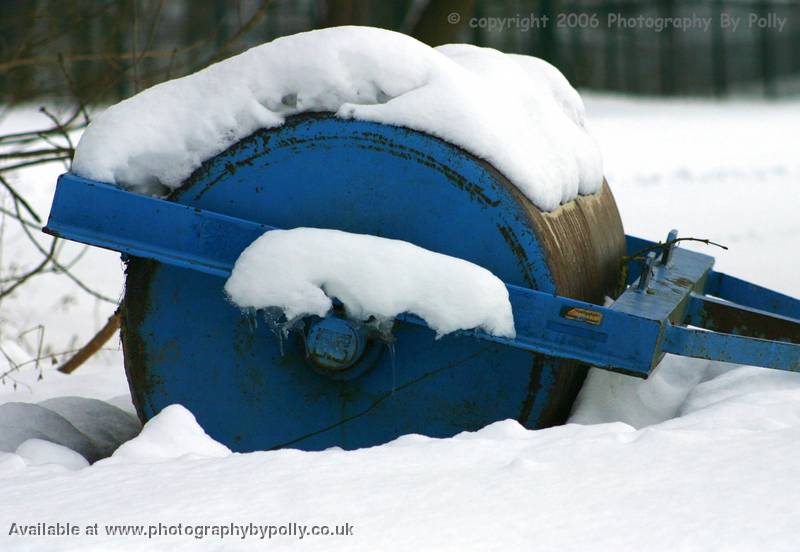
pixel 185 343
pixel 630 336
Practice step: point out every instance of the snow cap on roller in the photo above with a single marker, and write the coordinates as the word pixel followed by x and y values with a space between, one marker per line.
pixel 516 112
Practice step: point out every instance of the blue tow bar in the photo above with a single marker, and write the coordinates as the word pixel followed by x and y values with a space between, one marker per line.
pixel 731 320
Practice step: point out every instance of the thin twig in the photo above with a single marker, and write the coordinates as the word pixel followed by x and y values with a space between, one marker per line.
pixel 14 368
pixel 30 136
pixel 63 269
pixel 72 58
pixel 35 153
pixel 20 199
pixel 39 327
pixel 95 344
pixel 254 20
pixel 668 243
pixel 28 275
pixel 58 126
pixel 22 221
pixel 33 163
pixel 72 88
pixel 52 356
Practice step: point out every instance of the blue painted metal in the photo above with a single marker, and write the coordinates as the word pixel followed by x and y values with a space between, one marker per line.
pixel 335 344
pixel 629 336
pixel 751 295
pixel 185 343
pixel 738 349
pixel 106 216
pixel 647 273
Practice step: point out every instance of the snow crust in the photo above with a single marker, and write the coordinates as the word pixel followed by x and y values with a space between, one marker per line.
pixel 517 112
pixel 300 270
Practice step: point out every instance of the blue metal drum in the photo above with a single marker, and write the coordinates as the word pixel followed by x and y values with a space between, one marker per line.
pixel 252 389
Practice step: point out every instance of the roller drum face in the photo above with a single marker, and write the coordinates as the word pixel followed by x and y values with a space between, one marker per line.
pixel 250 389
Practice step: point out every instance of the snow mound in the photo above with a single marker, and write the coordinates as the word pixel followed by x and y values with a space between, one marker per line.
pixel 90 427
pixel 104 424
pixel 37 452
pixel 172 433
pixel 693 394
pixel 20 422
pixel 609 397
pixel 299 271
pixel 518 113
pixel 744 398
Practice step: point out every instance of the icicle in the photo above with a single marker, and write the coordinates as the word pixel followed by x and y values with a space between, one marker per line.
pixel 276 322
pixel 393 363
pixel 252 320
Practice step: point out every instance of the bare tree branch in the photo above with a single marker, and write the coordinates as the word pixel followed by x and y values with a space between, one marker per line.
pixel 95 344
pixel 256 18
pixel 20 199
pixel 104 56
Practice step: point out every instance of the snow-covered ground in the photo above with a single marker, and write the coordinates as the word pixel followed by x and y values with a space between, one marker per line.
pixel 698 457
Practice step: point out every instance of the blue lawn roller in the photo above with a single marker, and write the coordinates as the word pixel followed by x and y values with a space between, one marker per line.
pixel 331 382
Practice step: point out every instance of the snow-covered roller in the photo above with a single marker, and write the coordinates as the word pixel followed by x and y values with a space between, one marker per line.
pixel 332 383
pixel 184 342
pixel 336 381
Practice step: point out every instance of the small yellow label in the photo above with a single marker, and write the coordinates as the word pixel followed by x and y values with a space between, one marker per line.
pixel 584 315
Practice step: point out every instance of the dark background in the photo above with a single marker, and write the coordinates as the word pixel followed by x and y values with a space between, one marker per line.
pixel 104 50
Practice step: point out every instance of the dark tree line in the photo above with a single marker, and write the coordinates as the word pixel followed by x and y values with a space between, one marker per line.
pixel 101 50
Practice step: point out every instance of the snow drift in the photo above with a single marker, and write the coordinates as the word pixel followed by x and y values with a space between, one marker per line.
pixel 715 478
